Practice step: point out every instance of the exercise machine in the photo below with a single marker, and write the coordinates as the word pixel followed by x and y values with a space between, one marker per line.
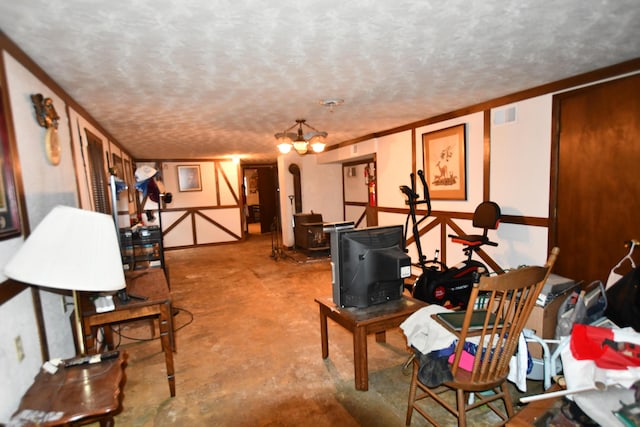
pixel 438 283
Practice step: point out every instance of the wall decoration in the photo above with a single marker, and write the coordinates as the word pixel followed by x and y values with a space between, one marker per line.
pixel 9 216
pixel 445 162
pixel 189 178
pixel 48 118
pixel 117 168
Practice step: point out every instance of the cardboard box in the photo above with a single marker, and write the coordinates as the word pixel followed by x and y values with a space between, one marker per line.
pixel 543 321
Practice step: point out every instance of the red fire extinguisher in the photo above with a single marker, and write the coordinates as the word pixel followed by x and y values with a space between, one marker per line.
pixel 370 181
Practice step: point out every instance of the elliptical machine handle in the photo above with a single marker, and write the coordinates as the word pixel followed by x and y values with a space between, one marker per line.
pixel 411 195
pixel 425 187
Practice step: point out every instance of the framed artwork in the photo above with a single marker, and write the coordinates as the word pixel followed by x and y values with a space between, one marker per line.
pixel 9 216
pixel 189 178
pixel 117 166
pixel 445 162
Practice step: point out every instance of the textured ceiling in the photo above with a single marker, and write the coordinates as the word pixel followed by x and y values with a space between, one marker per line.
pixel 190 79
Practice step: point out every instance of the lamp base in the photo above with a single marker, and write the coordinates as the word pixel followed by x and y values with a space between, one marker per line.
pixel 78 323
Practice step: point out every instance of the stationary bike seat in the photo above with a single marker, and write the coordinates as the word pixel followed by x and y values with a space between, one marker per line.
pixel 472 240
pixel 486 216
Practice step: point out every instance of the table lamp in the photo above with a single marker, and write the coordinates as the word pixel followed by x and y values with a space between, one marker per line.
pixel 72 249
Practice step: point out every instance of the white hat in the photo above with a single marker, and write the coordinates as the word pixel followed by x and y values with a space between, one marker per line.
pixel 145 172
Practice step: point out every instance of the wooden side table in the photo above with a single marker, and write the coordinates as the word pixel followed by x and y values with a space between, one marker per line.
pixel 85 393
pixel 362 322
pixel 152 284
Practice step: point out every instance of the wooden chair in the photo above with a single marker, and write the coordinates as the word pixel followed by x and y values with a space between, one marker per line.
pixel 510 298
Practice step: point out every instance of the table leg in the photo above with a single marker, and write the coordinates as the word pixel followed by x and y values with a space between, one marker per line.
pixel 165 338
pixel 108 336
pixel 324 338
pixel 172 337
pixel 360 358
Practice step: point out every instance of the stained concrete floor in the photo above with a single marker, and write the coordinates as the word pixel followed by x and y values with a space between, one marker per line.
pixel 248 349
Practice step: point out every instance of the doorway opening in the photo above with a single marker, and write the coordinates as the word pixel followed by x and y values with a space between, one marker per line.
pixel 359 188
pixel 261 213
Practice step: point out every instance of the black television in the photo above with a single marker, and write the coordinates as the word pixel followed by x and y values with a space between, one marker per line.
pixel 368 265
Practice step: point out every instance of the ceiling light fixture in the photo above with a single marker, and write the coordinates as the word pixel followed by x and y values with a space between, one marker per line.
pixel 301 141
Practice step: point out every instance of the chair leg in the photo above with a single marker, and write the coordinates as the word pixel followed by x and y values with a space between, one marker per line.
pixel 462 403
pixel 412 392
pixel 508 403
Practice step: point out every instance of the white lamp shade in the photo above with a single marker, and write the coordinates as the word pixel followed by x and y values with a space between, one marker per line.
pixel 72 249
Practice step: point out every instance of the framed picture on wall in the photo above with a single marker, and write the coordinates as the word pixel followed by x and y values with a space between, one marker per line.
pixel 445 163
pixel 9 217
pixel 117 166
pixel 189 178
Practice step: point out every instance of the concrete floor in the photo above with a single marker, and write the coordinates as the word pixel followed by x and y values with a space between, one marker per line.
pixel 248 350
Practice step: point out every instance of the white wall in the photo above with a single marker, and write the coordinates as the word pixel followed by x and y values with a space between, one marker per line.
pixel 321 186
pixel 520 177
pixel 214 176
pixel 394 164
pixel 521 151
pixel 356 190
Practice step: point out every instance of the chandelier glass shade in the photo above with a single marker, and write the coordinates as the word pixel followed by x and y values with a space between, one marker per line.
pixel 301 141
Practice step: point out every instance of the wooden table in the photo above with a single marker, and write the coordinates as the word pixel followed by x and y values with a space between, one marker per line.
pixel 85 393
pixel 150 283
pixel 361 322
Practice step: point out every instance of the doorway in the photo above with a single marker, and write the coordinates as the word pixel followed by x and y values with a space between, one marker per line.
pixel 359 190
pixel 594 187
pixel 261 198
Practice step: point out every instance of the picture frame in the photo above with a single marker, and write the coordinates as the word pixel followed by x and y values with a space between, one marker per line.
pixel 117 166
pixel 10 225
pixel 445 162
pixel 189 178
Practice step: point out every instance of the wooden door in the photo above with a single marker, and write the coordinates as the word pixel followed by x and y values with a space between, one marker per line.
pixel 595 202
pixel 268 194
